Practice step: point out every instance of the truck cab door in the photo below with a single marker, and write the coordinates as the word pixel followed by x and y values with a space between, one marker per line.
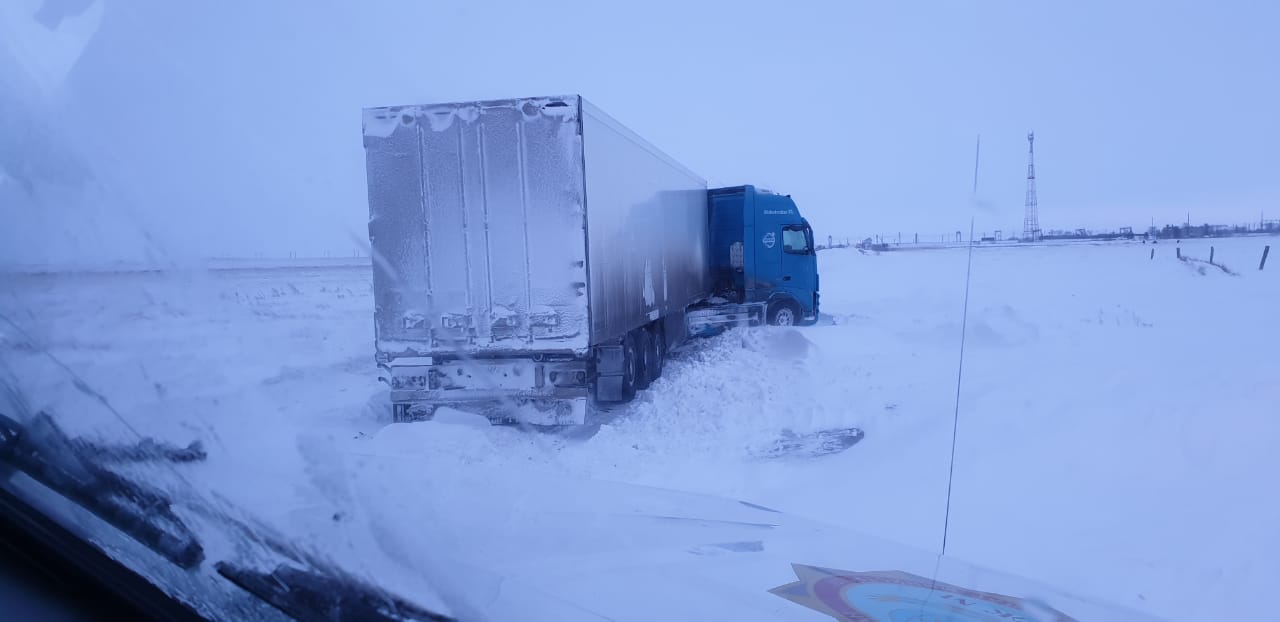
pixel 766 277
pixel 799 273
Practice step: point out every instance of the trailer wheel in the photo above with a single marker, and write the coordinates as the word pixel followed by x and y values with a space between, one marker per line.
pixel 784 313
pixel 630 367
pixel 659 341
pixel 645 362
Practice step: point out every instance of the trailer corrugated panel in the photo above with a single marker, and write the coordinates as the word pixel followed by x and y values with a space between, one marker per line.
pixel 477 227
pixel 525 225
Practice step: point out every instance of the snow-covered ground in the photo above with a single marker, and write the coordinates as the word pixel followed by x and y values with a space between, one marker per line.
pixel 1117 417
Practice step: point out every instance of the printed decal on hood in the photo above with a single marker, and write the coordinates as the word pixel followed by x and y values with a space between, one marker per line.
pixel 893 595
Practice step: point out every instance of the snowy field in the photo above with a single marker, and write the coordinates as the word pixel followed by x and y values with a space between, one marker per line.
pixel 1117 420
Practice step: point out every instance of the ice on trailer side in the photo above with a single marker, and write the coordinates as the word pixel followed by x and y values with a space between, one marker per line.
pixel 382 122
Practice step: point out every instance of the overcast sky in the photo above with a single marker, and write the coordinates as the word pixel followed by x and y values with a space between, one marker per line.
pixel 233 128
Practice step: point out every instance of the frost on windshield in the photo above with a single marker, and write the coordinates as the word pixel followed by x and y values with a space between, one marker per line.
pixel 238 240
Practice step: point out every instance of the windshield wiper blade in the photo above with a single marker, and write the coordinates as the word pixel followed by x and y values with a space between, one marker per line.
pixel 70 467
pixel 324 597
pixel 146 450
pixel 65 465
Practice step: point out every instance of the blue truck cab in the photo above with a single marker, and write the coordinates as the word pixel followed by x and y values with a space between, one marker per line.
pixel 762 252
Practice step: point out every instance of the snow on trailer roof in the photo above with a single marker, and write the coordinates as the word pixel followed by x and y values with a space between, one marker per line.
pixel 381 120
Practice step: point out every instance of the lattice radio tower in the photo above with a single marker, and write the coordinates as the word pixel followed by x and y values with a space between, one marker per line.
pixel 1031 218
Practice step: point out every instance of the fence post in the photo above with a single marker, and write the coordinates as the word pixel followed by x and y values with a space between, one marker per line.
pixel 1263 263
pixel 1211 256
pixel 1153 253
pixel 1179 252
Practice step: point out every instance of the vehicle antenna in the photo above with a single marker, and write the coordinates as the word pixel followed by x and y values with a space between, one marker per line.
pixel 955 418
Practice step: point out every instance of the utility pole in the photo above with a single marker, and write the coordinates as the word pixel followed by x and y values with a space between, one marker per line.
pixel 1031 217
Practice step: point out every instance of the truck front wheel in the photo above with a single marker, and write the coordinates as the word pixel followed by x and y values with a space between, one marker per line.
pixel 784 313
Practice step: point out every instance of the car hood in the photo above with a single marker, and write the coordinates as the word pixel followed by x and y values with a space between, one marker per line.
pixel 534 544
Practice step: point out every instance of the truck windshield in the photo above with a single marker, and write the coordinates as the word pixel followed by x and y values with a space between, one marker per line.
pixel 794 240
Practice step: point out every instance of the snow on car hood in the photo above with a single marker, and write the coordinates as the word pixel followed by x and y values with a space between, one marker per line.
pixel 534 544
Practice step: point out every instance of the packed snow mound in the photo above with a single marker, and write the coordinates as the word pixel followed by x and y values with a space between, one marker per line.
pixel 1163 372
pixel 702 407
pixel 1001 325
pixel 787 344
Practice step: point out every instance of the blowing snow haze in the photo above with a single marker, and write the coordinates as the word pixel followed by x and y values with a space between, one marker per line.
pixel 158 130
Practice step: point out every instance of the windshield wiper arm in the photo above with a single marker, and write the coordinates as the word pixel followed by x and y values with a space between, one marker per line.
pixel 310 595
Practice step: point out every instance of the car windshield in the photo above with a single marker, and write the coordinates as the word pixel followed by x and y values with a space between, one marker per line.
pixel 429 309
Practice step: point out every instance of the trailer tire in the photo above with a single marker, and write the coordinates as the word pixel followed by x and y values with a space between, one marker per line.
pixel 630 366
pixel 784 313
pixel 645 362
pixel 659 340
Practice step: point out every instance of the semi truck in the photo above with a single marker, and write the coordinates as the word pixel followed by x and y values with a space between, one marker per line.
pixel 534 260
